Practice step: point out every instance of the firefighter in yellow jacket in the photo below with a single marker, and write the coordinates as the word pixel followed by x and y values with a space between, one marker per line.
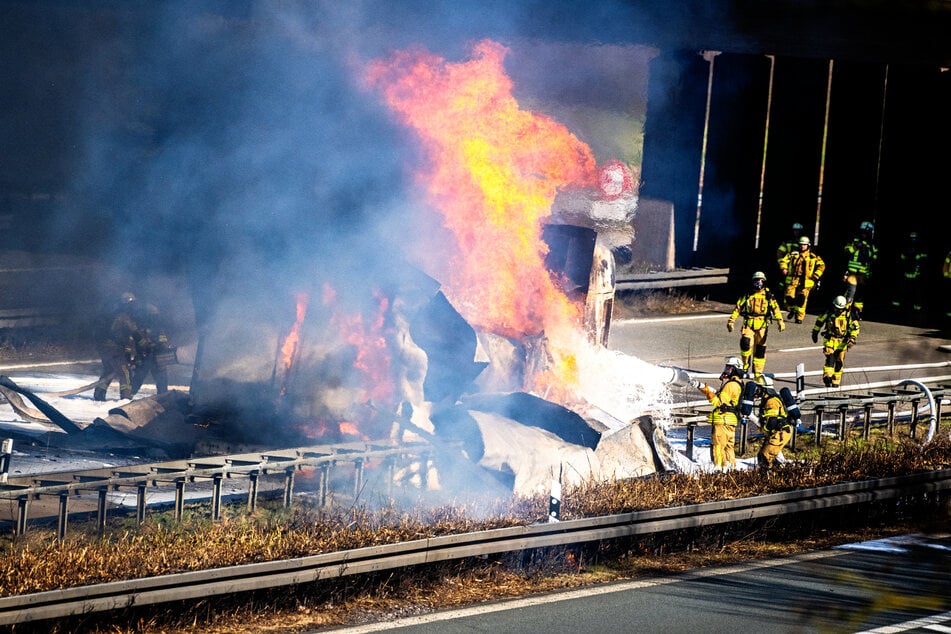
pixel 773 420
pixel 860 255
pixel 840 330
pixel 802 269
pixel 758 308
pixel 725 414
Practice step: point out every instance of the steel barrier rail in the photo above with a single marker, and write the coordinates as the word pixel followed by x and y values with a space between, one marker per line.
pixel 205 583
pixel 214 468
pixel 627 281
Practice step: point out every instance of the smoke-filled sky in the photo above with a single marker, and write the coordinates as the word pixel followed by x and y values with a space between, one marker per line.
pixel 232 140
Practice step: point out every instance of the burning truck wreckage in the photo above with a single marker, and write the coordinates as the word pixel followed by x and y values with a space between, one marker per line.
pixel 491 346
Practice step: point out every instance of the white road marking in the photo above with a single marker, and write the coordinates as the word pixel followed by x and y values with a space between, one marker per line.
pixel 932 623
pixel 660 320
pixel 586 592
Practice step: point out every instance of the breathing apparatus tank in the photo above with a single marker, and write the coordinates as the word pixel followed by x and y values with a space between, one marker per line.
pixel 789 402
pixel 748 399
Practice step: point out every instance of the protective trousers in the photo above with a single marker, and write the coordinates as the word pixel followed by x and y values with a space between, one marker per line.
pixel 753 346
pixel 773 444
pixel 115 366
pixel 722 441
pixel 834 351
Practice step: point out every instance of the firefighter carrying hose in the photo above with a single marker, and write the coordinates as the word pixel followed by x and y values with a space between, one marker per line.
pixel 840 330
pixel 802 269
pixel 758 308
pixel 117 343
pixel 772 418
pixel 725 414
pixel 154 353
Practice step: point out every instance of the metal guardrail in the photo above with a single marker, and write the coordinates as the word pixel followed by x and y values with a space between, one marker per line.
pixel 176 587
pixel 322 459
pixel 669 279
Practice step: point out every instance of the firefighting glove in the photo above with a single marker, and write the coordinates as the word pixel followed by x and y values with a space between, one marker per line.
pixel 729 326
pixel 849 343
pixel 815 336
pixel 782 325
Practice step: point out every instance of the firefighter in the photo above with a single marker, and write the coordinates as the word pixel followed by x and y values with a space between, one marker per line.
pixel 152 351
pixel 910 292
pixel 789 246
pixel 839 327
pixel 860 255
pixel 758 308
pixel 773 420
pixel 117 343
pixel 725 414
pixel 802 269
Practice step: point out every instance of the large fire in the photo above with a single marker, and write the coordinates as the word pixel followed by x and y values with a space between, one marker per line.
pixel 494 172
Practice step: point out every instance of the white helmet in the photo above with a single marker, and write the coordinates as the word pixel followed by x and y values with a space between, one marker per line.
pixel 804 240
pixel 839 302
pixel 734 362
pixel 764 380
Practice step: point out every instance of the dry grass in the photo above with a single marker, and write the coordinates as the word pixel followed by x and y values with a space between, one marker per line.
pixel 656 302
pixel 161 547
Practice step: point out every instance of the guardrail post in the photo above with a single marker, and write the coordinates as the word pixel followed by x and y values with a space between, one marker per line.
pixel 914 417
pixel 288 486
pixel 216 497
pixel 23 509
pixel 843 431
pixel 140 503
pixel 867 421
pixel 179 498
pixel 63 514
pixel 101 510
pixel 253 490
pixel 6 452
pixel 937 414
pixel 818 424
pixel 357 477
pixel 891 418
pixel 322 484
pixel 691 428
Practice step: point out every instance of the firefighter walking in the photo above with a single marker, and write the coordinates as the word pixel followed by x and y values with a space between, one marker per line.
pixel 910 291
pixel 802 269
pixel 840 330
pixel 758 308
pixel 773 419
pixel 860 255
pixel 725 414
pixel 788 246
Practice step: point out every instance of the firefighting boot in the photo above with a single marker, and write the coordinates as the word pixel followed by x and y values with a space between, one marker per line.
pixel 827 380
pixel 99 394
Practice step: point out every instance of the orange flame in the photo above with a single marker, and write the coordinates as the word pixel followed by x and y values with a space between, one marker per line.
pixel 495 171
pixel 373 358
pixel 291 342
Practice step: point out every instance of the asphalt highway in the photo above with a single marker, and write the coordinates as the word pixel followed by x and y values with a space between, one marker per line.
pixel 699 343
pixel 898 585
